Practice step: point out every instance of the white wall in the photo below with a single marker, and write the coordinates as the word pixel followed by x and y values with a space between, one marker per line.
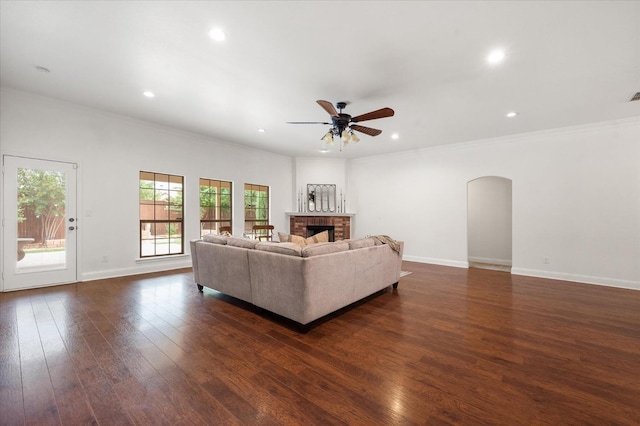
pixel 489 220
pixel 111 150
pixel 576 192
pixel 309 170
pixel 576 200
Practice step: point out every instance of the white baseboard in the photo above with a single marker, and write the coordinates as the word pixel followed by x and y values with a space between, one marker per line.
pixel 140 269
pixel 503 262
pixel 443 262
pixel 586 279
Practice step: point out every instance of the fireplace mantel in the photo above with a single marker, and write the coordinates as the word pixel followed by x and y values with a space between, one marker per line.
pixel 289 214
pixel 341 222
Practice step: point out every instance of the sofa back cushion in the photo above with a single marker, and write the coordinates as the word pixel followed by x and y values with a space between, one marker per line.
pixel 216 239
pixel 361 243
pixel 242 242
pixel 290 249
pixel 324 248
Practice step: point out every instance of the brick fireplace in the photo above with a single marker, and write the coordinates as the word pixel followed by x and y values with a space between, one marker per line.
pixel 302 224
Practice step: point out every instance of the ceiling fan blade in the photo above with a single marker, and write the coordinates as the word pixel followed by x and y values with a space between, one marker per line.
pixel 380 113
pixel 328 106
pixel 366 130
pixel 307 122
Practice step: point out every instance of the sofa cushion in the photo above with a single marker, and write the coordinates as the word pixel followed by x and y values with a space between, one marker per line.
pixel 288 238
pixel 215 238
pixel 320 237
pixel 324 248
pixel 242 242
pixel 291 249
pixel 361 243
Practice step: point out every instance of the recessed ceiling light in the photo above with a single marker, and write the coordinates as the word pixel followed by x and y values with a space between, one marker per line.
pixel 217 34
pixel 262 130
pixel 42 69
pixel 324 150
pixel 512 114
pixel 496 56
pixel 395 136
pixel 149 94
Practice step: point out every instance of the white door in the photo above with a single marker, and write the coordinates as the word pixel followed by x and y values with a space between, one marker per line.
pixel 39 223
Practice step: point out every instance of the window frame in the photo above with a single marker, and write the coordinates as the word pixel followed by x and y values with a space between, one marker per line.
pixel 164 184
pixel 218 205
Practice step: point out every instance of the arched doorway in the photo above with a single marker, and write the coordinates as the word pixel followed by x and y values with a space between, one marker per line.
pixel 489 221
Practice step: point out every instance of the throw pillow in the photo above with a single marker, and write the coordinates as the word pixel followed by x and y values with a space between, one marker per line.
pixel 288 238
pixel 321 237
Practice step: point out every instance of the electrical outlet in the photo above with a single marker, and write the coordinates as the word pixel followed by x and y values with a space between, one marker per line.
pixel 546 260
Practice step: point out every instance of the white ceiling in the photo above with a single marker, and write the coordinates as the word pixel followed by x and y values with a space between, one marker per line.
pixel 567 63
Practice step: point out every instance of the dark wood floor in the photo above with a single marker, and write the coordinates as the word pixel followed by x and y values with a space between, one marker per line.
pixel 449 346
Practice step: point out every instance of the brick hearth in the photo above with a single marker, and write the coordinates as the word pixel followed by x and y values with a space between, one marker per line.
pixel 341 225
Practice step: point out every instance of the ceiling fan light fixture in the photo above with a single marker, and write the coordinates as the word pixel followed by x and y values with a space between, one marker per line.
pixel 341 131
pixel 328 138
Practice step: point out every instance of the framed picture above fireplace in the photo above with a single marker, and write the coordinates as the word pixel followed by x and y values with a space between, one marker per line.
pixel 321 197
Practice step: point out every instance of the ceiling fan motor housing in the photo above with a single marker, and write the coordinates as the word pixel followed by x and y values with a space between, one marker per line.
pixel 341 122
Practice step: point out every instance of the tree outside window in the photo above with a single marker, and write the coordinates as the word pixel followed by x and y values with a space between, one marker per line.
pixel 215 206
pixel 41 204
pixel 256 206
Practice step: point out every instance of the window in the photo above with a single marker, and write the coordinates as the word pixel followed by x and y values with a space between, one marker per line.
pixel 256 206
pixel 161 208
pixel 215 206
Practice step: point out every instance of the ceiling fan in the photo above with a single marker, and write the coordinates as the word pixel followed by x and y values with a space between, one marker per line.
pixel 342 125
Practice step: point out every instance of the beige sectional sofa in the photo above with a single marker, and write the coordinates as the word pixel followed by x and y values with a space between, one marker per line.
pixel 298 283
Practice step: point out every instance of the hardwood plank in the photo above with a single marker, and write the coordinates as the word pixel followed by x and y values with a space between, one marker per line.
pixel 449 346
pixel 11 401
pixel 39 399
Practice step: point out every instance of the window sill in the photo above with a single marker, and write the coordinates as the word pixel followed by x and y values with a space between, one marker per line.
pixel 159 258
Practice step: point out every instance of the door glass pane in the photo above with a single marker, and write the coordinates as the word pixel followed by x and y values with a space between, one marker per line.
pixel 41 220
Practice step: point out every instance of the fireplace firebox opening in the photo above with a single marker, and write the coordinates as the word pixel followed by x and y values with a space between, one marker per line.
pixel 316 229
